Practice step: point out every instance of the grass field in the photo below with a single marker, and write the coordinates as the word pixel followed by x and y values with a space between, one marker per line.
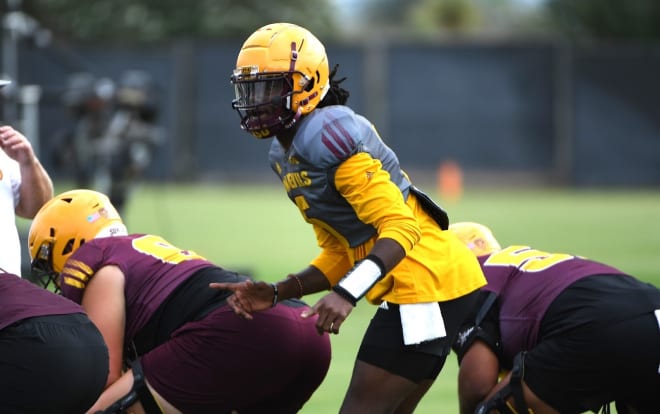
pixel 256 229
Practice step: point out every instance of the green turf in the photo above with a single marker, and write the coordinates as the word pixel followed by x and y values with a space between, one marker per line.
pixel 257 230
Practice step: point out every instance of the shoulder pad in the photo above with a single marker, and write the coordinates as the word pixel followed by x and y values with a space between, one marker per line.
pixel 329 136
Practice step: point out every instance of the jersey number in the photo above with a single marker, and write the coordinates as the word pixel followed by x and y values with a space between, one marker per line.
pixel 162 250
pixel 526 259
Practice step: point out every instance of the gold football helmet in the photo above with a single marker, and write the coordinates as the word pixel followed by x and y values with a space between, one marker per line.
pixel 64 224
pixel 476 236
pixel 281 73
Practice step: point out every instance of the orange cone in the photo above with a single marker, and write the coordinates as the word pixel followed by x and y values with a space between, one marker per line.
pixel 450 180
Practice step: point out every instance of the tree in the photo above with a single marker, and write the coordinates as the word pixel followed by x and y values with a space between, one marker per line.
pixel 607 19
pixel 160 20
pixel 472 17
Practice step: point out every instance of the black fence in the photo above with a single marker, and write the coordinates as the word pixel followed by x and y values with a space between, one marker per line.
pixel 580 117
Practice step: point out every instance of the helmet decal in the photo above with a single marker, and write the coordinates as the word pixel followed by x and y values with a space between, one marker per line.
pixel 476 237
pixel 112 230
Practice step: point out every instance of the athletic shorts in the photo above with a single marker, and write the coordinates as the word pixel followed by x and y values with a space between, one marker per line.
pixel 600 342
pixel 270 364
pixel 51 364
pixel 383 346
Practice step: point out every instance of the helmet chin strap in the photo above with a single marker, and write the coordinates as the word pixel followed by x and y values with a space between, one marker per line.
pixel 294 119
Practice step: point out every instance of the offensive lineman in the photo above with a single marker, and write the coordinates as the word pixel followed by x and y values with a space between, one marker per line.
pixel 575 334
pixel 380 237
pixel 187 350
pixel 43 335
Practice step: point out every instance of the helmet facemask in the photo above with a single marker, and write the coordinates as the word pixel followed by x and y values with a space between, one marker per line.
pixel 263 101
pixel 281 75
pixel 42 271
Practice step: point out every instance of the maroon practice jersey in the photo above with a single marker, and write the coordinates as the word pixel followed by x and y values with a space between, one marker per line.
pixel 527 282
pixel 152 268
pixel 21 299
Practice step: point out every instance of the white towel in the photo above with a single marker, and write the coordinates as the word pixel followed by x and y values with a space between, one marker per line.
pixel 421 322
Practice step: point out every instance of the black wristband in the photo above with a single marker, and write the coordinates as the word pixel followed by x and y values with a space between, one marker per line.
pixel 345 294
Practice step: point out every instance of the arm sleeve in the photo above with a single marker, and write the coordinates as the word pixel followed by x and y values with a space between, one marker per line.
pixel 332 260
pixel 363 182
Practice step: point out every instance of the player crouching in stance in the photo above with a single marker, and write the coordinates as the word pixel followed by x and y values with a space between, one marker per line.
pixel 52 357
pixel 575 334
pixel 174 344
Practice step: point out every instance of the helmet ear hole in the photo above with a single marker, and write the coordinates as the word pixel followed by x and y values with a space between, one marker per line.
pixel 68 247
pixel 310 84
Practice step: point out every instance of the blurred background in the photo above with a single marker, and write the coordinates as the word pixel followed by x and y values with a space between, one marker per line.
pixel 540 118
pixel 542 92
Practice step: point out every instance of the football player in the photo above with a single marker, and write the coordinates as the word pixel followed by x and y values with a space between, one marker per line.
pixel 174 344
pixel 381 238
pixel 573 334
pixel 52 357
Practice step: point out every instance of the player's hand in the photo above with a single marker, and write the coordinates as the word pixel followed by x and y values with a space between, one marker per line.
pixel 248 297
pixel 16 145
pixel 332 310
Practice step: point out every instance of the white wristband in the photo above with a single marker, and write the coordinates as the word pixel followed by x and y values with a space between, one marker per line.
pixel 361 278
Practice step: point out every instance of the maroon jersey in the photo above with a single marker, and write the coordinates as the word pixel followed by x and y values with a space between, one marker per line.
pixel 152 268
pixel 527 282
pixel 20 299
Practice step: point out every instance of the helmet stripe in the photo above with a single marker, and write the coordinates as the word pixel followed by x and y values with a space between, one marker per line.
pixel 294 57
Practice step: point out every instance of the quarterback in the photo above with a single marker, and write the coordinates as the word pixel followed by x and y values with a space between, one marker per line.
pixel 381 238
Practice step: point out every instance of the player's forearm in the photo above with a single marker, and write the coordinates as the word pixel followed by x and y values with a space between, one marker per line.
pixel 36 189
pixel 310 280
pixel 389 251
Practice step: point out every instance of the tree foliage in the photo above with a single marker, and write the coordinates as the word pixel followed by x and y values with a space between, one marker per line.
pixel 579 19
pixel 447 15
pixel 454 17
pixel 160 20
pixel 607 19
pixel 144 21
